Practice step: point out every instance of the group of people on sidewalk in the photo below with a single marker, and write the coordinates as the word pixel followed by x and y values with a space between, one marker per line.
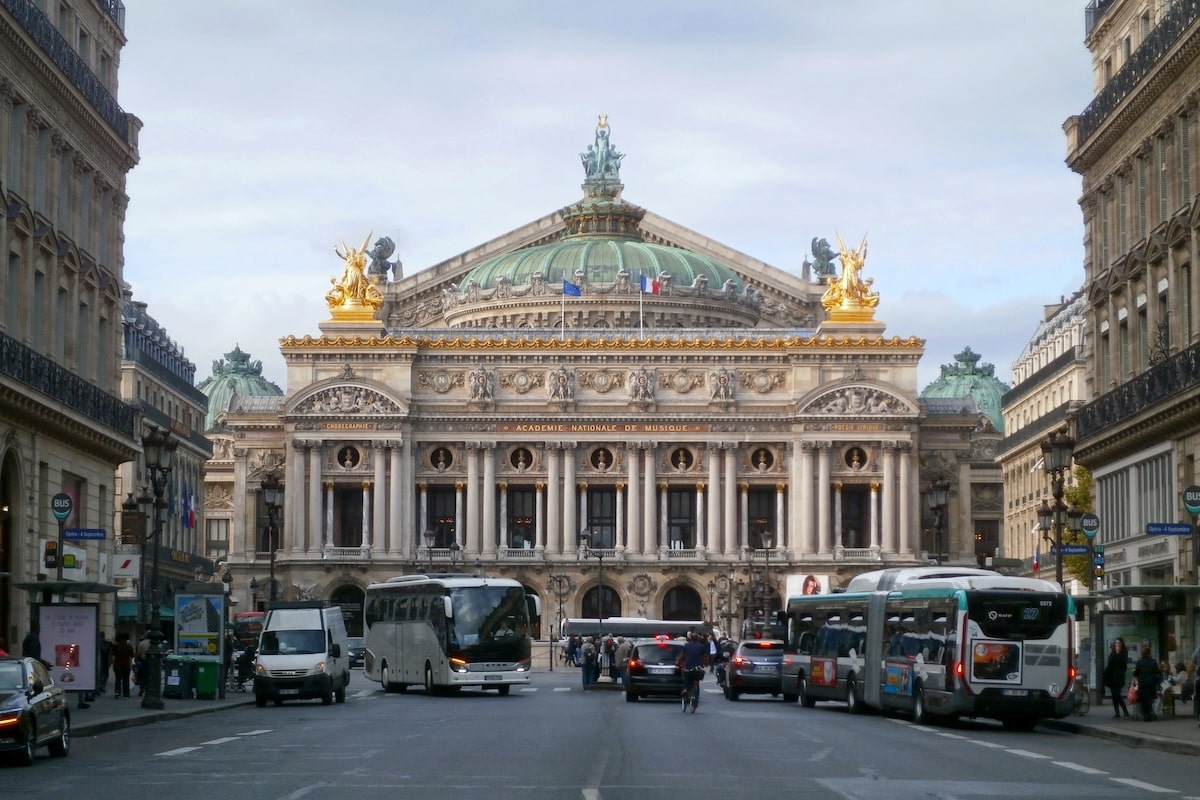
pixel 1155 685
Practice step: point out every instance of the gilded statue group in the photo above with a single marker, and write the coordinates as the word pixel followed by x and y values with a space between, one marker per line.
pixel 850 290
pixel 354 288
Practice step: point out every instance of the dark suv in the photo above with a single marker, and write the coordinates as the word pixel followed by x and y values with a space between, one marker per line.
pixel 653 669
pixel 753 669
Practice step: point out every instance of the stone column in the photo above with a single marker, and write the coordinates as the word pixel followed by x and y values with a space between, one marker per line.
pixel 909 503
pixel 716 542
pixel 294 496
pixel 377 540
pixel 781 535
pixel 540 525
pixel 732 525
pixel 875 529
pixel 571 525
pixel 365 541
pixel 490 543
pixel 888 512
pixel 313 533
pixel 807 535
pixel 633 454
pixel 701 529
pixel 649 474
pixel 472 538
pixel 395 542
pixel 554 518
pixel 664 534
pixel 620 491
pixel 489 530
pixel 824 489
pixel 838 539
pixel 329 514
pixel 459 515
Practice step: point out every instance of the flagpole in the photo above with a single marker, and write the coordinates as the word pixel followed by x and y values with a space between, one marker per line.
pixel 641 300
pixel 562 337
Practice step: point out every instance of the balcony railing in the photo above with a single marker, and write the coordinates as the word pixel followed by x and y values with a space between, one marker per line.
pixel 1094 11
pixel 1157 385
pixel 35 370
pixel 1141 63
pixel 42 31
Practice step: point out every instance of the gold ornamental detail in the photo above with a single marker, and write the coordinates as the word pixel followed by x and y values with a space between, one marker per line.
pixel 850 298
pixel 355 295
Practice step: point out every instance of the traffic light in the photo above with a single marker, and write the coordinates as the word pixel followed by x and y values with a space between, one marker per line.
pixel 50 555
pixel 1098 562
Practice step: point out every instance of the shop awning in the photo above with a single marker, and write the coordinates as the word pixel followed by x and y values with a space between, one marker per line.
pixel 1151 590
pixel 68 588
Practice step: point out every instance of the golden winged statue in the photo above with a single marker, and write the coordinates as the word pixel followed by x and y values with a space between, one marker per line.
pixel 850 291
pixel 355 289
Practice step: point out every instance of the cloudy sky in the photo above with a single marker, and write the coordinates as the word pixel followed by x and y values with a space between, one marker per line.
pixel 276 128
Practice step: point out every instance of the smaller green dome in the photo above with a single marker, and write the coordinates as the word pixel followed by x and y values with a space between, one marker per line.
pixel 234 376
pixel 968 378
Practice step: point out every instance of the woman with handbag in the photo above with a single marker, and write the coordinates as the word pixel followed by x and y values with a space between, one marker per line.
pixel 1114 676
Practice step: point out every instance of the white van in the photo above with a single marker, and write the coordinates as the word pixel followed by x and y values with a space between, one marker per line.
pixel 302 654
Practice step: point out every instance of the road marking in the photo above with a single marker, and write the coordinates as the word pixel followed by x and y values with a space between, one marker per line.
pixel 255 733
pixel 178 751
pixel 1079 768
pixel 1149 787
pixel 993 745
pixel 1027 754
pixel 562 688
pixel 222 740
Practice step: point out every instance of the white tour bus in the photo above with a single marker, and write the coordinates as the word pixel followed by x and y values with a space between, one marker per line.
pixel 935 641
pixel 631 627
pixel 448 631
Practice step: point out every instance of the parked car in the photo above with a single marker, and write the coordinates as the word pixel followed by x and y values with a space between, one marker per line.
pixel 33 710
pixel 356 646
pixel 753 669
pixel 654 669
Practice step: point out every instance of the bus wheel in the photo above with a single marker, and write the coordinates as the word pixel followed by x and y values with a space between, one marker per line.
pixel 806 699
pixel 503 690
pixel 919 714
pixel 852 696
pixel 428 680
pixel 385 678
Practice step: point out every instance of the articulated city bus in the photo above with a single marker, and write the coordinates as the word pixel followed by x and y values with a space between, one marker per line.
pixel 631 627
pixel 445 632
pixel 935 641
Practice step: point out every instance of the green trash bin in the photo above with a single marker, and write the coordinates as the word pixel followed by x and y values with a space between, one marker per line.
pixel 205 675
pixel 177 677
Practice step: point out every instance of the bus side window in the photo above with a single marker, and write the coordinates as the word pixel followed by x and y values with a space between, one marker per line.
pixel 808 641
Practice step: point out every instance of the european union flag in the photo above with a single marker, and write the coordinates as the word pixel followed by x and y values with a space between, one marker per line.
pixel 571 289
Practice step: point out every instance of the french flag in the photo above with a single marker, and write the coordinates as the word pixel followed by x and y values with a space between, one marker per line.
pixel 1037 558
pixel 650 286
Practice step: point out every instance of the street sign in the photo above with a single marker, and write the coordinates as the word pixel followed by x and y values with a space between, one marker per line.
pixel 62 505
pixel 1089 523
pixel 75 534
pixel 1191 500
pixel 1071 550
pixel 1168 529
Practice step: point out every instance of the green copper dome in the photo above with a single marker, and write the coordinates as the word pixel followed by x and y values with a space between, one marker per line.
pixel 968 378
pixel 601 240
pixel 234 376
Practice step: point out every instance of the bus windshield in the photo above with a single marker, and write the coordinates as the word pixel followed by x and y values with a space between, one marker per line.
pixel 1017 615
pixel 488 615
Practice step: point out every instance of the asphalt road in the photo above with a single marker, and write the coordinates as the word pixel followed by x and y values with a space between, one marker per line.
pixel 555 740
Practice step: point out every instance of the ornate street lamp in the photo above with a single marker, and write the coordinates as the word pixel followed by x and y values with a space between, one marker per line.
pixel 938 498
pixel 588 541
pixel 159 447
pixel 272 491
pixel 253 587
pixel 1057 451
pixel 429 536
pixel 560 585
pixel 768 543
pixel 133 531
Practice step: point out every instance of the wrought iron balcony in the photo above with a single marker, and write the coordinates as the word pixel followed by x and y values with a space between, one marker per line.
pixel 35 370
pixel 1156 386
pixel 1141 63
pixel 42 31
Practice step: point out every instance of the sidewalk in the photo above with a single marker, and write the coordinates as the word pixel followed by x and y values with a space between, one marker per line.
pixel 1177 734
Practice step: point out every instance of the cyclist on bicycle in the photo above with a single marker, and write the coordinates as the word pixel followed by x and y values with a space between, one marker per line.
pixel 693 659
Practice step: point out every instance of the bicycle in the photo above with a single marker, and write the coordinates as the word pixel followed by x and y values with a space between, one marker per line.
pixel 1083 702
pixel 690 696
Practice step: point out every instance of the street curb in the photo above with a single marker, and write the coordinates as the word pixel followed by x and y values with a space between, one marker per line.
pixel 95 728
pixel 1140 739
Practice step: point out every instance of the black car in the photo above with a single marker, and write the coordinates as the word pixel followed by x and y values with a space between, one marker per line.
pixel 356 646
pixel 753 669
pixel 33 710
pixel 654 669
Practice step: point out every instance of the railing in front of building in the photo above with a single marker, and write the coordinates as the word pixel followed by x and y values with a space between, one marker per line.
pixel 1156 385
pixel 1092 14
pixel 42 31
pixel 1141 63
pixel 35 370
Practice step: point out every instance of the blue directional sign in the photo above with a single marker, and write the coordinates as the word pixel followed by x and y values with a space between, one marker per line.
pixel 1168 529
pixel 1071 550
pixel 76 534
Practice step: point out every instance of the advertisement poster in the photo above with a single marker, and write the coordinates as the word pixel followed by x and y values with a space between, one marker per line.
pixel 198 624
pixel 824 671
pixel 897 677
pixel 999 662
pixel 68 635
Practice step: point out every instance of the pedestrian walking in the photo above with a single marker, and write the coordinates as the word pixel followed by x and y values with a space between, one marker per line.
pixel 103 662
pixel 587 656
pixel 1145 672
pixel 624 650
pixel 121 655
pixel 1114 676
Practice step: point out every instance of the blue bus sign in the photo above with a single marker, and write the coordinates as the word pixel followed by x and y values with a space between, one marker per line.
pixel 1191 500
pixel 77 534
pixel 1168 529
pixel 1070 550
